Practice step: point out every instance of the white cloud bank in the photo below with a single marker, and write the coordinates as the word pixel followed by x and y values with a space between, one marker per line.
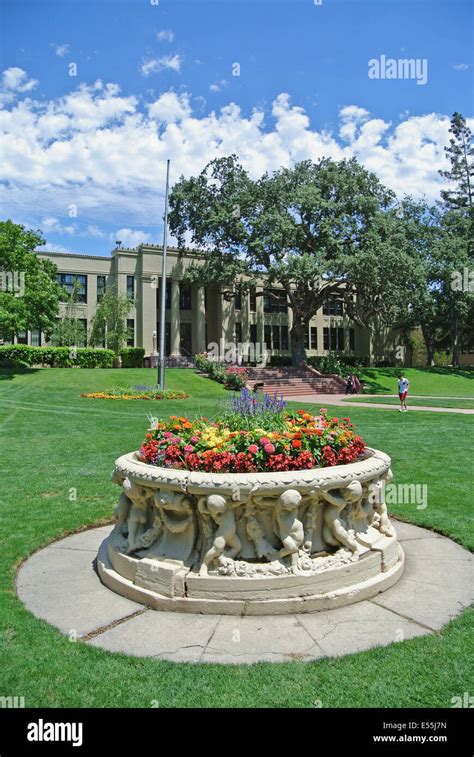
pixel 106 153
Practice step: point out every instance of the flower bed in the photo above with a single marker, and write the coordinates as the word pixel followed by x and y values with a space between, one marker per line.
pixel 232 376
pixel 252 435
pixel 131 394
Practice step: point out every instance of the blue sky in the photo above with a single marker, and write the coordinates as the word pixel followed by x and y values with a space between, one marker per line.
pixel 156 81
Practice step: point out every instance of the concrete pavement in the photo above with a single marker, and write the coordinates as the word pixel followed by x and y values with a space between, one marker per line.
pixel 60 585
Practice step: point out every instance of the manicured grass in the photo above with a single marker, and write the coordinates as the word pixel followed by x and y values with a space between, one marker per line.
pixel 450 402
pixel 54 440
pixel 444 382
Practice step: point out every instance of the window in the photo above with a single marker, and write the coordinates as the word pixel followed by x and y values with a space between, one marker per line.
pixel 333 306
pixel 253 301
pixel 130 287
pixel 352 340
pixel 276 337
pixel 130 332
pixel 100 287
pixel 238 333
pixel 185 296
pixel 71 282
pixel 267 336
pixel 306 339
pixel 340 340
pixel 185 339
pixel 35 338
pixel 325 338
pixel 238 301
pixel 333 339
pixel 314 338
pixel 284 337
pixel 274 301
pixel 82 332
pixel 253 333
pixel 22 337
pixel 167 296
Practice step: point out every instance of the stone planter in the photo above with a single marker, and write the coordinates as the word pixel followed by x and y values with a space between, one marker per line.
pixel 251 543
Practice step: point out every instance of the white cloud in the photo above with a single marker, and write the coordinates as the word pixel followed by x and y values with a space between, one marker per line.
pixel 50 223
pixel 16 79
pixel 106 153
pixel 170 107
pixel 48 247
pixel 154 65
pixel 218 86
pixel 165 35
pixel 60 50
pixel 94 231
pixel 129 237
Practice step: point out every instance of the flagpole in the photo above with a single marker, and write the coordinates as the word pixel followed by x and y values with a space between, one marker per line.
pixel 161 362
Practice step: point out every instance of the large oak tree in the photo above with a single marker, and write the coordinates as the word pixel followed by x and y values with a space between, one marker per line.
pixel 305 228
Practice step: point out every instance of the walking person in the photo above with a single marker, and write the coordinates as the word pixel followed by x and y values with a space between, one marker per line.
pixel 403 386
pixel 349 383
pixel 355 384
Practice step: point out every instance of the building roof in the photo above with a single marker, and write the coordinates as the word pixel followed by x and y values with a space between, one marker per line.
pixel 140 247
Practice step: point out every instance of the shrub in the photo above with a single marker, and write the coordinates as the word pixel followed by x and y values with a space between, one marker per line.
pixel 56 357
pixel 326 364
pixel 203 363
pixel 284 360
pixel 132 357
pixel 235 377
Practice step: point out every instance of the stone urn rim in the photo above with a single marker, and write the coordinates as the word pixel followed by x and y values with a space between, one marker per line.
pixel 375 462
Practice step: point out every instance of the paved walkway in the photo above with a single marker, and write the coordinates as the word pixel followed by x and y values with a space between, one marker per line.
pixel 341 400
pixel 60 585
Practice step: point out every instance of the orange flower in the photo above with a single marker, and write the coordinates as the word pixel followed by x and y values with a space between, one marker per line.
pixel 296 443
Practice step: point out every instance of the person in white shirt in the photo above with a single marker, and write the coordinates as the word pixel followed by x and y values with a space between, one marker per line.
pixel 403 386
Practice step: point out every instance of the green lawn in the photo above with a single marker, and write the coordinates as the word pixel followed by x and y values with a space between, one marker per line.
pixel 53 440
pixel 450 402
pixel 444 382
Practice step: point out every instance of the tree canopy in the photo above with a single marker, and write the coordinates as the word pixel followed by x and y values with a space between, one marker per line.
pixel 35 303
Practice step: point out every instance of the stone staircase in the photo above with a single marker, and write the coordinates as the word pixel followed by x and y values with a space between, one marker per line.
pixel 291 382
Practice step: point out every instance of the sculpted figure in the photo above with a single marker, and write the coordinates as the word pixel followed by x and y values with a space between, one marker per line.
pixel 377 498
pixel 137 520
pixel 175 510
pixel 256 534
pixel 287 526
pixel 225 535
pixel 123 506
pixel 312 543
pixel 151 535
pixel 335 528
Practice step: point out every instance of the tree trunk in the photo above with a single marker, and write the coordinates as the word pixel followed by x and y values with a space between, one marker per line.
pixel 429 345
pixel 456 344
pixel 298 351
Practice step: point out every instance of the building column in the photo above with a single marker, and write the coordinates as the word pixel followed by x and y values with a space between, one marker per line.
pixel 175 318
pixel 260 315
pixel 145 313
pixel 199 320
pixel 227 319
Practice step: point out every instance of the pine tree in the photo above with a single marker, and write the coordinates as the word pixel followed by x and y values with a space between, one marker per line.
pixel 461 156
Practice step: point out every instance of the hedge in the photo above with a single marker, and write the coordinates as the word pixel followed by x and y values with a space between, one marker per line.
pixel 132 357
pixel 56 357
